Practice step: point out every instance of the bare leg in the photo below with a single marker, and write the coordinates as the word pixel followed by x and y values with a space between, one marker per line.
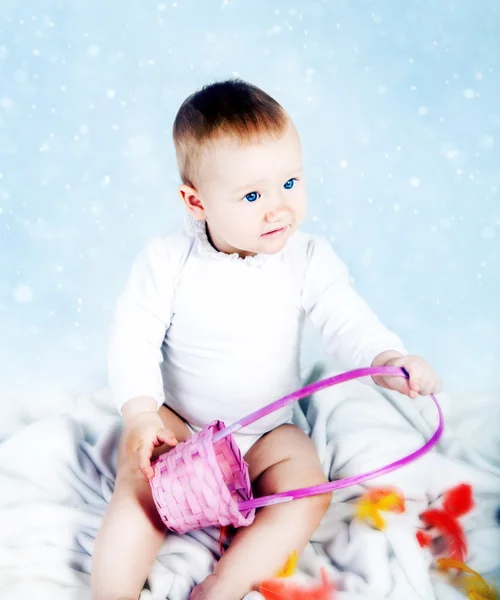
pixel 282 460
pixel 132 532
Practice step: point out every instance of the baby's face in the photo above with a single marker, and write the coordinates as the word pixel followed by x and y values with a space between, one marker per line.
pixel 253 194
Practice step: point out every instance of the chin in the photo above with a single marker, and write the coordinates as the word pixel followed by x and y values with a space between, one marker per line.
pixel 273 246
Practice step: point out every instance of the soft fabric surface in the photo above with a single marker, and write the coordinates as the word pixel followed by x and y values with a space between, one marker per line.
pixel 56 476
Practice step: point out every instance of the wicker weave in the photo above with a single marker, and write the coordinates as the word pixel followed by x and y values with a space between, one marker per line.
pixel 198 484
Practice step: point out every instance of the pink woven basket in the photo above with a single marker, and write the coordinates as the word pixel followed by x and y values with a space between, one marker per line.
pixel 200 483
pixel 204 481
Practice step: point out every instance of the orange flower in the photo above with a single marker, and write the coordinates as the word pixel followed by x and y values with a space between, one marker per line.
pixel 277 589
pixel 376 500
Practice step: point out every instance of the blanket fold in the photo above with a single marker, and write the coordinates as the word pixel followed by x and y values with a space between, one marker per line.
pixel 57 476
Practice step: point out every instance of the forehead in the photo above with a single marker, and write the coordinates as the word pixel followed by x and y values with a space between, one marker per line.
pixel 264 157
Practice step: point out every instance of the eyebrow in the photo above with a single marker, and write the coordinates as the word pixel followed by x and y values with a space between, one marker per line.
pixel 255 184
pixel 250 186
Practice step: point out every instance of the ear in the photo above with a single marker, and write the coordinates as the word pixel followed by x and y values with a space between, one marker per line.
pixel 192 201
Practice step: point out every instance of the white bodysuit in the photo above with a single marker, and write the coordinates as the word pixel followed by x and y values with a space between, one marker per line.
pixel 215 336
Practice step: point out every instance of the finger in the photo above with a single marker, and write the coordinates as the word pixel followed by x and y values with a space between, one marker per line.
pixel 424 389
pixel 401 385
pixel 415 381
pixel 415 371
pixel 136 469
pixel 406 389
pixel 144 460
pixel 167 437
pixel 147 471
pixel 427 385
pixel 407 364
pixel 432 386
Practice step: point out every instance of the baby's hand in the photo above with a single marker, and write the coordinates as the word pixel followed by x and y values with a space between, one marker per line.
pixel 146 432
pixel 423 379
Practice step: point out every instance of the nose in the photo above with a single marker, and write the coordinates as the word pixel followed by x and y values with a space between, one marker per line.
pixel 276 208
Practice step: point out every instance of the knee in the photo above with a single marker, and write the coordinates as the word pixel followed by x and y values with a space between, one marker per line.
pixel 136 494
pixel 130 484
pixel 305 478
pixel 321 502
pixel 129 481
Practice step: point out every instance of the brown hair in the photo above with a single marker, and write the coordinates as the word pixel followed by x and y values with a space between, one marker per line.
pixel 231 107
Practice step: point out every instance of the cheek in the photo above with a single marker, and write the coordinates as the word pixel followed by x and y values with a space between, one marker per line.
pixel 300 201
pixel 232 218
pixel 218 211
pixel 301 210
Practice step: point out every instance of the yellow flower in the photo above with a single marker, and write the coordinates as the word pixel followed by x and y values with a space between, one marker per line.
pixel 473 584
pixel 290 565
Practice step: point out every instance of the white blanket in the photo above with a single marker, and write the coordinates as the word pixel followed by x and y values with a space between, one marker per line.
pixel 56 476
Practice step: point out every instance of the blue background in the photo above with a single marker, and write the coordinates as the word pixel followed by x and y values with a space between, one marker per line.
pixel 398 105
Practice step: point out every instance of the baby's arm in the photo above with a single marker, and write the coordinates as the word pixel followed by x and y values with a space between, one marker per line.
pixel 351 330
pixel 142 317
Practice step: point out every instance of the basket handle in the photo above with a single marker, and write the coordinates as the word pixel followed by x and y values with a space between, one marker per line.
pixel 312 388
pixel 340 483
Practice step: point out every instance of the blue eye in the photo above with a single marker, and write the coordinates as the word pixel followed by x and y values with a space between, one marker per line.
pixel 252 197
pixel 290 183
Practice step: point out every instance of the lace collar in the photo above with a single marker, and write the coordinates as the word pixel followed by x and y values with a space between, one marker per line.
pixel 198 230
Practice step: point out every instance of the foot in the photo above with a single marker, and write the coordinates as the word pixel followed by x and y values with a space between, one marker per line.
pixel 215 588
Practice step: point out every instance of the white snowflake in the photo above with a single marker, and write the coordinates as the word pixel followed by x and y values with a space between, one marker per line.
pixel 487 233
pixel 469 94
pixel 486 142
pixel 22 294
pixel 93 51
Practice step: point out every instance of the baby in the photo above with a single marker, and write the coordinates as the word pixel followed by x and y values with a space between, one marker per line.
pixel 209 327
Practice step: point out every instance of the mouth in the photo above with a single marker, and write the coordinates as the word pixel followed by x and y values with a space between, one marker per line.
pixel 275 232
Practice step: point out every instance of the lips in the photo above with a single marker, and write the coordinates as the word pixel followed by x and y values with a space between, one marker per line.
pixel 274 231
